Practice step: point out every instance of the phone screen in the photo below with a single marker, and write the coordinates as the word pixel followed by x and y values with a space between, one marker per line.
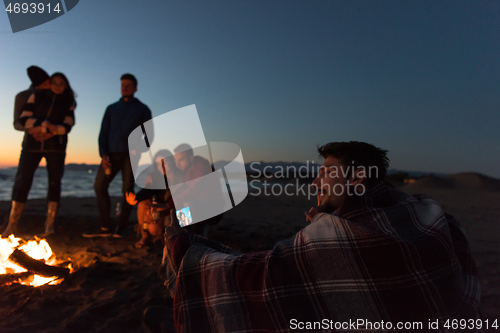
pixel 184 216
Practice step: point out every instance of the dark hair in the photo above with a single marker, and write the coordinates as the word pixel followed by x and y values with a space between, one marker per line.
pixel 165 153
pixel 37 75
pixel 184 147
pixel 130 77
pixel 359 154
pixel 68 92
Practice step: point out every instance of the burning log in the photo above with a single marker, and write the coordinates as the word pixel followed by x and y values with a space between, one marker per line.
pixel 35 266
pixel 10 278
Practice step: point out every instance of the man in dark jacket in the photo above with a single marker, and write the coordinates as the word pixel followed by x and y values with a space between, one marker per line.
pixel 40 80
pixel 120 119
pixel 195 167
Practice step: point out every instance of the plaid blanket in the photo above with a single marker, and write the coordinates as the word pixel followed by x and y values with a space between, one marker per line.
pixel 383 257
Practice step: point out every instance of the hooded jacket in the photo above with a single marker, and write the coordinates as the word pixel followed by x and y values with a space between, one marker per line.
pixel 44 108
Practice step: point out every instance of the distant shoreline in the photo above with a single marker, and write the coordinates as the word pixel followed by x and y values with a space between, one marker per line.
pixel 69 166
pixel 272 165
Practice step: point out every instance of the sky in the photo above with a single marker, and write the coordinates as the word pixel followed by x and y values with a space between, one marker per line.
pixel 278 78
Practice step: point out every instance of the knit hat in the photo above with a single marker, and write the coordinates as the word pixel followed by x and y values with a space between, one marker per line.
pixel 37 75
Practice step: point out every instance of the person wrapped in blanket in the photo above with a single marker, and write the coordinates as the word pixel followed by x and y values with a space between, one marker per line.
pixel 164 172
pixel 371 254
pixel 47 117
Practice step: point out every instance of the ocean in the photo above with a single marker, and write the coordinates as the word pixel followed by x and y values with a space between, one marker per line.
pixel 78 184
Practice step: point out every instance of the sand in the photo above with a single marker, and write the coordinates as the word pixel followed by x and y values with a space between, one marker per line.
pixel 116 282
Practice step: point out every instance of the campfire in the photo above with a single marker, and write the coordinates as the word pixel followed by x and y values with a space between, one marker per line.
pixel 30 263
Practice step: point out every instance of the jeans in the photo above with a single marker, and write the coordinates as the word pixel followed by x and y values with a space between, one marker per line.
pixel 119 161
pixel 28 163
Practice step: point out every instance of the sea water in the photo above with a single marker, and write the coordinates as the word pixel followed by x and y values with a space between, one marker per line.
pixel 78 184
pixel 74 184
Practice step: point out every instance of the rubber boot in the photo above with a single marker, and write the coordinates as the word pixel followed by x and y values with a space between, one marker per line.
pixel 51 216
pixel 15 214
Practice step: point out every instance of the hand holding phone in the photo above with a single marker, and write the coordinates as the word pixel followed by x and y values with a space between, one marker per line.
pixel 174 228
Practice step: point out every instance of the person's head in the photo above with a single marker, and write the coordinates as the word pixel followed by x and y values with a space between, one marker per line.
pixel 354 164
pixel 39 78
pixel 129 86
pixel 164 158
pixel 59 84
pixel 183 156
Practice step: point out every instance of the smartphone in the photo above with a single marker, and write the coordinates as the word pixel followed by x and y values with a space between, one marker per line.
pixel 184 216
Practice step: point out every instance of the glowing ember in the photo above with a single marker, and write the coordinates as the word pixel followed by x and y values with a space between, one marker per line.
pixel 38 249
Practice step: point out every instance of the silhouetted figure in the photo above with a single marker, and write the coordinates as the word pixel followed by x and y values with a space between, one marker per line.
pixel 120 119
pixel 47 118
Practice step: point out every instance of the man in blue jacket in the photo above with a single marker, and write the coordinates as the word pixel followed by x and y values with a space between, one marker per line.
pixel 120 119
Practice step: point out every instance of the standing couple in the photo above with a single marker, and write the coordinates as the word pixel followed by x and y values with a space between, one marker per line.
pixel 45 112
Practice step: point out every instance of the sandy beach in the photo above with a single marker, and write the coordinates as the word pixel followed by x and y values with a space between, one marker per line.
pixel 115 282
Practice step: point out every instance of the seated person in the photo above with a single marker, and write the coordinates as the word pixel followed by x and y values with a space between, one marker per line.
pixel 193 167
pixel 147 226
pixel 371 254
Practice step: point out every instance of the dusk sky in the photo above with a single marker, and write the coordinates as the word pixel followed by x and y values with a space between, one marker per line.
pixel 418 78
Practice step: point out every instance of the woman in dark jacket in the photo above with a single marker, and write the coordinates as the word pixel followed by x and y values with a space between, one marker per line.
pixel 48 117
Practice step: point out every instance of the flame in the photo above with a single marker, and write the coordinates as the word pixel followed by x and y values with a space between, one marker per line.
pixel 41 280
pixel 7 246
pixel 37 249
